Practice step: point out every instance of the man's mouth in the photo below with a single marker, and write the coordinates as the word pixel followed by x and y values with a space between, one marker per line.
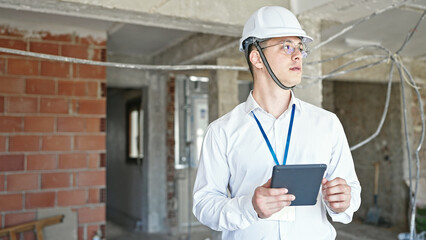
pixel 295 69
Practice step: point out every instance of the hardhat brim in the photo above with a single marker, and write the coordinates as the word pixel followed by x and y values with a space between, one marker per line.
pixel 278 32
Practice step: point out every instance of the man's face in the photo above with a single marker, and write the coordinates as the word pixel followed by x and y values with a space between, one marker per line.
pixel 286 66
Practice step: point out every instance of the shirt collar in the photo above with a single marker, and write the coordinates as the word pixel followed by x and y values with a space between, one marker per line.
pixel 251 103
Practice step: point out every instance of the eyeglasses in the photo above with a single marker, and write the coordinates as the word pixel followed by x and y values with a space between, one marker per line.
pixel 289 47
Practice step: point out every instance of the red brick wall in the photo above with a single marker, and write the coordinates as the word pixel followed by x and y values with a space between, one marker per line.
pixel 52 130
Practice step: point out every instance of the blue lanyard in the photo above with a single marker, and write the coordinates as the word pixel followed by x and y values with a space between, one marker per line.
pixel 290 127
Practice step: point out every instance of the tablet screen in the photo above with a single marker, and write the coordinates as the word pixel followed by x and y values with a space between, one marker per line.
pixel 303 181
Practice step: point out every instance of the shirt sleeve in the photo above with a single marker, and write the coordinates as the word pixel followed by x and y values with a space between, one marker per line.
pixel 342 165
pixel 212 206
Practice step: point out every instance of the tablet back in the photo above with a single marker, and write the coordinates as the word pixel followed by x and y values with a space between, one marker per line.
pixel 303 181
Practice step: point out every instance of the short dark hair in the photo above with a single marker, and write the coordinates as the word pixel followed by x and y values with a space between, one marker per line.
pixel 249 49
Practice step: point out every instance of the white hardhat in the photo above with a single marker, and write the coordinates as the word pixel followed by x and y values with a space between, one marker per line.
pixel 272 21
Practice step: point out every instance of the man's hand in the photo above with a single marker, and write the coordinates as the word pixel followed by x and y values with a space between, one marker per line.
pixel 267 201
pixel 337 193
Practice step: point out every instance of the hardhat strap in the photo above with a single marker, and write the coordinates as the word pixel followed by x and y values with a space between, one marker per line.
pixel 271 73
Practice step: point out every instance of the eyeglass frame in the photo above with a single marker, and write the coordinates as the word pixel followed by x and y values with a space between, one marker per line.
pixel 302 51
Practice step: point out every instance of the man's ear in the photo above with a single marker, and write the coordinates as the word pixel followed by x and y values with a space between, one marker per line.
pixel 255 59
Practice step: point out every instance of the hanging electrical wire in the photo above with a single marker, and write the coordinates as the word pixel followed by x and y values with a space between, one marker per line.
pixel 122 65
pixel 394 58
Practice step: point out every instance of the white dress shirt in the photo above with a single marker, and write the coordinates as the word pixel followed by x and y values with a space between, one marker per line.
pixel 235 157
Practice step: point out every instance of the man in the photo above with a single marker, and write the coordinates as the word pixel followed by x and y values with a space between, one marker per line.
pixel 235 155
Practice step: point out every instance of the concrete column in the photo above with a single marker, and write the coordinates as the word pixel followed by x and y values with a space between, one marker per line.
pixel 157 157
pixel 223 97
pixel 223 89
pixel 313 93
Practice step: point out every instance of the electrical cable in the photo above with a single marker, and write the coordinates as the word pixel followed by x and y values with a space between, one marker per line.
pixel 122 65
pixel 395 5
pixel 395 58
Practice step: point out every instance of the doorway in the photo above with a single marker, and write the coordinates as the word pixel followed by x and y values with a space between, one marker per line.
pixel 126 151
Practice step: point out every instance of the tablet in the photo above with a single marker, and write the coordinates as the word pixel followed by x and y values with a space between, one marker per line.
pixel 303 181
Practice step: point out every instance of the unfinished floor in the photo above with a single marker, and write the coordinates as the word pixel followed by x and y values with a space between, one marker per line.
pixel 353 231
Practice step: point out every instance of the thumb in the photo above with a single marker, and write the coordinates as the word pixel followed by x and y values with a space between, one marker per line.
pixel 267 184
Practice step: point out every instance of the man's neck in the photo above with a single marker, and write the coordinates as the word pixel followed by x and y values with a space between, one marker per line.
pixel 274 101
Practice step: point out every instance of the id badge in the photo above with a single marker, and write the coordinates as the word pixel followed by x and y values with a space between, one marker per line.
pixel 287 214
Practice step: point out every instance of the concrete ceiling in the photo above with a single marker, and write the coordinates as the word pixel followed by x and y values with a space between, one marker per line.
pixel 389 28
pixel 129 39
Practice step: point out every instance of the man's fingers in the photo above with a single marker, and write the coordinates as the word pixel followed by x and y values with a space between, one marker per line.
pixel 280 198
pixel 271 191
pixel 338 189
pixel 337 197
pixel 334 182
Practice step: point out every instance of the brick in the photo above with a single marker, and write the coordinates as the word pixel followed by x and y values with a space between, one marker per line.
pixel 103 89
pixel 103 125
pixel 41 162
pixel 24 181
pixel 24 143
pixel 55 180
pixel 39 200
pixel 92 106
pixel 93 125
pixel 91 231
pixel 10 202
pixel 92 178
pixel 91 41
pixel 72 88
pixel 56 143
pixel 12 85
pixel 73 160
pixel 13 219
pixel 11 163
pixel 71 198
pixel 22 104
pixel 3 140
pixel 22 67
pixel 92 89
pixel 71 124
pixel 54 105
pixel 40 86
pixel 57 38
pixel 10 124
pixel 74 106
pixel 90 71
pixel 80 233
pixel 102 160
pixel 74 179
pixel 1 104
pixel 74 51
pixel 94 195
pixel 89 215
pixel 46 48
pixel 2 66
pixel 12 32
pixel 93 160
pixel 2 187
pixel 96 54
pixel 39 124
pixel 13 43
pixel 29 235
pixel 90 142
pixel 55 69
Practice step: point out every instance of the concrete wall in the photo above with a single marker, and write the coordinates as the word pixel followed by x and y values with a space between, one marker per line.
pixel 359 107
pixel 127 182
pixel 153 182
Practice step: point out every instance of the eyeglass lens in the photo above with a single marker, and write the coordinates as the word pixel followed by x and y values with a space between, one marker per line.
pixel 290 47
